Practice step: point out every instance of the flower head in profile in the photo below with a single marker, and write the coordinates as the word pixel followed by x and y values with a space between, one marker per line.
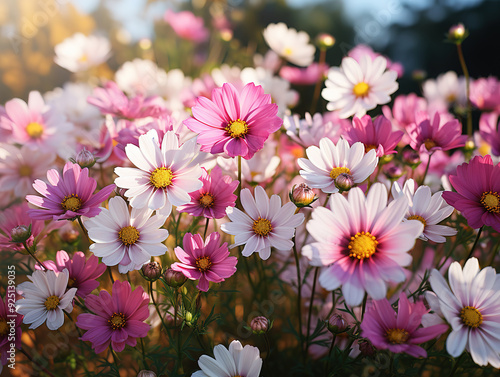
pixel 67 196
pixel 354 88
pixel 233 362
pixel 204 260
pixel 477 195
pixel 214 197
pixel 118 319
pixel 80 52
pixel 127 239
pixel 235 122
pixel 290 44
pixel 490 132
pixel 470 305
pixel 265 224
pixel 45 298
pixel 362 242
pixel 304 76
pixel 399 332
pixel 186 25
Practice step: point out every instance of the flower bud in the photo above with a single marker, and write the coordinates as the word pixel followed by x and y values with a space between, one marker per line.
pixel 146 373
pixel 259 325
pixel 325 41
pixel 336 324
pixel 469 145
pixel 69 235
pixel 419 75
pixel 188 317
pixel 20 233
pixel 411 158
pixel 393 172
pixel 302 195
pixel 174 279
pixel 344 182
pixel 457 33
pixel 366 348
pixel 85 159
pixel 151 271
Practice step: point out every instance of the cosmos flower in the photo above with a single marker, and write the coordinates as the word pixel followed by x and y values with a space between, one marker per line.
pixel 445 90
pixel 489 131
pixel 79 52
pixel 485 93
pixel 186 25
pixel 304 76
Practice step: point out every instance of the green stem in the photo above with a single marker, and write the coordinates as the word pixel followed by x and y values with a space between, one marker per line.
pixel 467 88
pixel 268 346
pixel 36 363
pixel 426 169
pixel 33 256
pixel 309 315
pixel 475 242
pixel 330 355
pixel 314 104
pixel 299 295
pixel 238 190
pixel 156 306
pixel 110 275
pixel 143 354
pixel 84 229
pixel 206 228
pixel 364 307
pixel 456 365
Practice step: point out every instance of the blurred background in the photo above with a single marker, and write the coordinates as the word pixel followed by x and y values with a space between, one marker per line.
pixel 407 31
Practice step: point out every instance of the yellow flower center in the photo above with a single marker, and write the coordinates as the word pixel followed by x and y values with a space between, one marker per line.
pixel 52 302
pixel 34 130
pixel 4 328
pixel 237 128
pixel 491 201
pixel 25 170
pixel 419 218
pixel 262 227
pixel 71 282
pixel 471 316
pixel 337 171
pixel 71 203
pixel 117 321
pixel 161 177
pixel 369 147
pixel 128 235
pixel 397 336
pixel 363 245
pixel 206 200
pixel 203 263
pixel 429 144
pixel 83 58
pixel 361 89
pixel 287 51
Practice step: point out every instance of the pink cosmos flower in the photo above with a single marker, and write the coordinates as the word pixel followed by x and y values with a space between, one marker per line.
pixel 82 273
pixel 376 135
pixel 186 25
pixel 9 315
pixel 399 332
pixel 485 93
pixel 490 132
pixel 214 197
pixel 237 123
pixel 102 148
pixel 111 100
pixel 131 131
pixel 206 261
pixel 118 319
pixel 68 196
pixel 404 109
pixel 478 192
pixel 427 137
pixel 358 51
pixel 304 76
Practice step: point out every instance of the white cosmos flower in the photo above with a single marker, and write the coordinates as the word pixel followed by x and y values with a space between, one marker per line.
pixel 265 224
pixel 427 208
pixel 164 176
pixel 326 163
pixel 353 88
pixel 126 238
pixel 238 361
pixel 290 44
pixel 79 53
pixel 471 305
pixel 310 130
pixel 446 89
pixel 140 76
pixel 45 298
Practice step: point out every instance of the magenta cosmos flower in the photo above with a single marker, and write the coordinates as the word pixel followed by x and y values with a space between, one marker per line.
pixel 376 134
pixel 186 25
pixel 68 196
pixel 214 197
pixel 118 319
pixel 204 261
pixel 399 332
pixel 237 123
pixel 82 273
pixel 478 192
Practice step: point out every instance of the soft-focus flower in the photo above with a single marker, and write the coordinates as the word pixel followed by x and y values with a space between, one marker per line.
pixel 361 50
pixel 82 273
pixel 289 44
pixel 67 196
pixel 45 298
pixel 404 110
pixel 401 332
pixel 324 164
pixel 141 77
pixel 124 238
pixel 362 242
pixel 430 209
pixel 310 130
pixel 237 123
pixel 265 224
pixel 186 25
pixel 164 175
pixel 214 197
pixel 457 33
pixel 354 88
pixel 376 134
pixel 485 93
pixel 304 76
pixel 204 260
pixel 79 52
pixel 470 305
pixel 237 361
pixel 477 195
pixel 445 90
pixel 118 319
pixel 490 132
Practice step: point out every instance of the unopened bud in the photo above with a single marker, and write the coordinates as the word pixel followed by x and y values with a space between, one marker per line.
pixel 259 325
pixel 151 271
pixel 336 324
pixel 419 75
pixel 457 33
pixel 366 348
pixel 469 145
pixel 302 195
pixel 393 172
pixel 146 373
pixel 411 158
pixel 20 233
pixel 85 159
pixel 174 279
pixel 188 317
pixel 325 41
pixel 344 182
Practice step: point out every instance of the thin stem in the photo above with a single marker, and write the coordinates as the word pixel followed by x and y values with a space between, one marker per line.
pixel 83 228
pixel 247 268
pixel 364 307
pixel 268 346
pixel 314 104
pixel 143 354
pixel 475 242
pixel 299 295
pixel 467 88
pixel 156 306
pixel 426 169
pixel 36 363
pixel 206 228
pixel 494 254
pixel 309 315
pixel 33 255
pixel 456 364
pixel 238 190
pixel 330 354
pixel 110 275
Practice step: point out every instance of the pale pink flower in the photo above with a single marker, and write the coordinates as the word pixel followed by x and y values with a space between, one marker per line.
pixel 80 52
pixel 485 93
pixel 186 25
pixel 360 50
pixel 304 76
pixel 490 132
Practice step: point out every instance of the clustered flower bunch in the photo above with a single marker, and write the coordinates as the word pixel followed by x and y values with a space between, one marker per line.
pixel 198 227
